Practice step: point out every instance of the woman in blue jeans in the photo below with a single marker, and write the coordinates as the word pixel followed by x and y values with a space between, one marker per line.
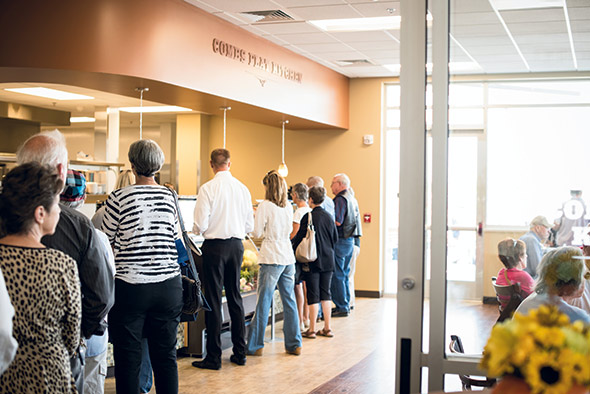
pixel 273 223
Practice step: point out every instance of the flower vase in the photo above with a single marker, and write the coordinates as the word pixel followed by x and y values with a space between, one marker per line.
pixel 514 385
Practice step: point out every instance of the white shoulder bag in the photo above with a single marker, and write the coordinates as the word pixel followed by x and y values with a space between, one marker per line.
pixel 306 251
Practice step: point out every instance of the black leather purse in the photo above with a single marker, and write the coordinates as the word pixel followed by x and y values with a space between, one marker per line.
pixel 192 296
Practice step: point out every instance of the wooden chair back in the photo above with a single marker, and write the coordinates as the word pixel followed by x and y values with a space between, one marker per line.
pixel 512 292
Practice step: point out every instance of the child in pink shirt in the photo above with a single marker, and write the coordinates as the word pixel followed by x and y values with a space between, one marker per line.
pixel 512 253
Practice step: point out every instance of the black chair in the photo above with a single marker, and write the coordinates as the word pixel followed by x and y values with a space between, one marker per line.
pixel 456 346
pixel 514 293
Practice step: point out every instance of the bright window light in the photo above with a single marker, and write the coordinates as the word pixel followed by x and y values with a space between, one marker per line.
pixel 81 119
pixel 502 5
pixel 160 108
pixel 50 93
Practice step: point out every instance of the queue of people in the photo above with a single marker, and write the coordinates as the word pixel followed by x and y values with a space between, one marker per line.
pixel 125 266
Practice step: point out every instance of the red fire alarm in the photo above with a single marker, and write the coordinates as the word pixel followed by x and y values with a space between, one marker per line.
pixel 367 218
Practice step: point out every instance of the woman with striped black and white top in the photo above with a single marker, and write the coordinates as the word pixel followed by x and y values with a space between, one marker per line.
pixel 141 223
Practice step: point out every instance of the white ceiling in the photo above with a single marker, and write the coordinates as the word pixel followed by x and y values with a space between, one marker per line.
pixel 505 41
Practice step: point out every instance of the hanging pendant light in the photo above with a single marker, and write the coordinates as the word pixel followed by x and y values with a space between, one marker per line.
pixel 283 170
pixel 141 90
pixel 225 109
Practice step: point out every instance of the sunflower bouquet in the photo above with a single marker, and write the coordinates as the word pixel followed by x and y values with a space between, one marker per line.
pixel 543 348
pixel 249 271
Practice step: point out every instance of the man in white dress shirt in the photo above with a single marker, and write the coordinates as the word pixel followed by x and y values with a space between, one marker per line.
pixel 223 215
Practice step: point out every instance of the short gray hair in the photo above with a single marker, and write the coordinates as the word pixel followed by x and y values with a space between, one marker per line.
pixel 559 272
pixel 343 179
pixel 46 148
pixel 300 190
pixel 314 181
pixel 146 157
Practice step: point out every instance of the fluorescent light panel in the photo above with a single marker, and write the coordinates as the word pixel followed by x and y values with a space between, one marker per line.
pixel 362 24
pixel 50 93
pixel 152 109
pixel 81 119
pixel 359 24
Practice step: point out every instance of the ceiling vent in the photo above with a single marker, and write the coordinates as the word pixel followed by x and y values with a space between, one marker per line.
pixel 268 16
pixel 354 63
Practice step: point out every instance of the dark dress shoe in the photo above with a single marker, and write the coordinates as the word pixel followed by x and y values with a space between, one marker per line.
pixel 340 314
pixel 207 364
pixel 237 359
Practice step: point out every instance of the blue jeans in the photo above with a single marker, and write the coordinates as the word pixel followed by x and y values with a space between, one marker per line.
pixel 339 288
pixel 269 277
pixel 145 372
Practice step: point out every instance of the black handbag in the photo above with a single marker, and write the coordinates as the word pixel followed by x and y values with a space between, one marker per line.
pixel 192 295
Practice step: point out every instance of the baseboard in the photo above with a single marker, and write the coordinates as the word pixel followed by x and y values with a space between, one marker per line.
pixel 368 293
pixel 490 300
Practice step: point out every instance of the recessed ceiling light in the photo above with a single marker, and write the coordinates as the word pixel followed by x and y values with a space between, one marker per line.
pixel 50 93
pixel 81 119
pixel 503 5
pixel 359 24
pixel 160 108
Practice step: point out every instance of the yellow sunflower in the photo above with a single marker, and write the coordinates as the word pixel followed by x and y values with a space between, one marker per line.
pixel 545 374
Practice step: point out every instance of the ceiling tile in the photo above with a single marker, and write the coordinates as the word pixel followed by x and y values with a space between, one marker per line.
pixel 326 12
pixel 473 18
pixel 494 29
pixel 238 6
pixel 375 45
pixel 579 13
pixel 308 3
pixel 202 5
pixel 276 40
pixel 458 6
pixel 580 25
pixel 324 48
pixel 541 38
pixel 537 28
pixel 345 55
pixel 360 36
pixel 287 28
pixel 503 67
pixel 551 65
pixel 538 15
pixel 470 41
pixel 380 53
pixel 307 38
pixel 374 9
pixel 386 58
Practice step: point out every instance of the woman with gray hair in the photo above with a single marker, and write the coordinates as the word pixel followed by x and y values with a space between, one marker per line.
pixel 141 223
pixel 561 278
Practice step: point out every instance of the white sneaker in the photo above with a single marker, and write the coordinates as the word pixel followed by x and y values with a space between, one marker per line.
pixel 302 326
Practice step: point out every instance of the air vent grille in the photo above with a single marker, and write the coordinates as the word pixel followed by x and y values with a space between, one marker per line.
pixel 270 16
pixel 354 63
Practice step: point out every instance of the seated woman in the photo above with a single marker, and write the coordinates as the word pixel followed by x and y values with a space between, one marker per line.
pixel 512 253
pixel 561 278
pixel 42 283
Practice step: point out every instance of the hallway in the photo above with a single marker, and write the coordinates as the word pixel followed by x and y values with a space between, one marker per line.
pixel 359 359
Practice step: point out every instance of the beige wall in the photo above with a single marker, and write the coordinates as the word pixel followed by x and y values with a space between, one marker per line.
pixel 256 149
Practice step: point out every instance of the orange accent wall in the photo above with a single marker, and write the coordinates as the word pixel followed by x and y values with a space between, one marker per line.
pixel 169 41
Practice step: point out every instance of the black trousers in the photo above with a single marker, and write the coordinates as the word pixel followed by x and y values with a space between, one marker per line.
pixel 152 311
pixel 222 260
